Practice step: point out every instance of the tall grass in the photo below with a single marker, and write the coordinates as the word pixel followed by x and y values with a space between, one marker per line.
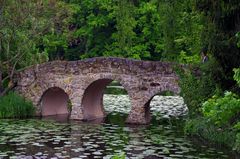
pixel 13 105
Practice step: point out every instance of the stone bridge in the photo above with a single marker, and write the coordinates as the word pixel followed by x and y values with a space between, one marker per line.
pixel 53 86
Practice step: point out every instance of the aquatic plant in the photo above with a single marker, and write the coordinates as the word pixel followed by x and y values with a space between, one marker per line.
pixel 13 105
pixel 119 156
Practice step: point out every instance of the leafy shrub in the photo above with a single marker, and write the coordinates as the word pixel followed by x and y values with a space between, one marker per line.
pixel 193 126
pixel 238 39
pixel 237 143
pixel 14 106
pixel 197 85
pixel 191 59
pixel 222 110
pixel 237 75
pixel 220 122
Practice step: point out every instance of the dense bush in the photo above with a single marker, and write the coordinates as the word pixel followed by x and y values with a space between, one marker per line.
pixel 220 122
pixel 237 142
pixel 221 35
pixel 222 111
pixel 13 105
pixel 201 127
pixel 198 83
pixel 237 75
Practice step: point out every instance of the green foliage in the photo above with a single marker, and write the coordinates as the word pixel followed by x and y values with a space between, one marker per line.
pixel 182 28
pixel 115 91
pixel 20 27
pixel 202 128
pixel 74 29
pixel 120 156
pixel 222 111
pixel 197 85
pixel 115 88
pixel 123 38
pixel 237 75
pixel 184 58
pixel 151 30
pixel 14 106
pixel 238 39
pixel 237 143
pixel 237 127
pixel 30 33
pixel 69 106
pixel 219 36
pixel 220 122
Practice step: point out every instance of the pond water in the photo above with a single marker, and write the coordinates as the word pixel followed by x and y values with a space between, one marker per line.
pixel 58 137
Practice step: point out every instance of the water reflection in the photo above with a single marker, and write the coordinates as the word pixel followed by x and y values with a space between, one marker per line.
pixel 60 138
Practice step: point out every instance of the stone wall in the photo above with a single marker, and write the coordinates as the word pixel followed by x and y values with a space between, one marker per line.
pixel 141 79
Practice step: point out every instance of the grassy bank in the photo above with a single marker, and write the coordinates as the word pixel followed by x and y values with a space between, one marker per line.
pixel 13 105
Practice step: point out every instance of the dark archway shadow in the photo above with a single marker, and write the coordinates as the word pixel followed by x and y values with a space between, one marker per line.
pixel 92 101
pixel 55 101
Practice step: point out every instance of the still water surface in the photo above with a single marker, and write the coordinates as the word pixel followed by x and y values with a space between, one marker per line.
pixel 58 137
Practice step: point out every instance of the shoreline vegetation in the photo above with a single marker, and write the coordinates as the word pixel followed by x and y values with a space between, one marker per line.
pixel 13 105
pixel 214 115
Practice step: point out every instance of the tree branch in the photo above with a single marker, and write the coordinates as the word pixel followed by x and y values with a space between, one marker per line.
pixel 4 63
pixel 7 90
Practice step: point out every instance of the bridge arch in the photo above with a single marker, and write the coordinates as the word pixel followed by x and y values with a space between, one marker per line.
pixel 54 101
pixel 92 100
pixel 172 88
pixel 140 110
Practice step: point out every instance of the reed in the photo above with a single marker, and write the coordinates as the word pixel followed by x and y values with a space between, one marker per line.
pixel 13 105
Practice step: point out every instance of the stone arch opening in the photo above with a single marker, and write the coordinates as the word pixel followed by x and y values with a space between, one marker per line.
pixel 96 99
pixel 55 101
pixel 165 104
